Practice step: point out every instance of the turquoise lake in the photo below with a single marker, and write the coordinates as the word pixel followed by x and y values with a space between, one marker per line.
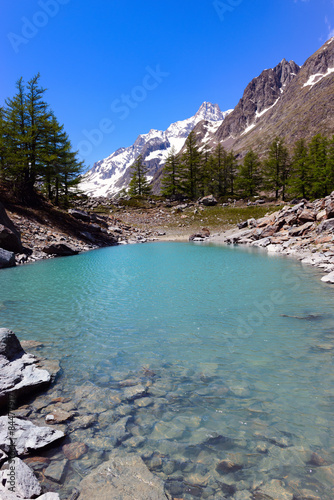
pixel 240 344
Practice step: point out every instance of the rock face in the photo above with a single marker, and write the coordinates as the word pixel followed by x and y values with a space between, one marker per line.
pixel 7 259
pixel 287 101
pixel 260 94
pixel 123 477
pixel 28 436
pixel 18 371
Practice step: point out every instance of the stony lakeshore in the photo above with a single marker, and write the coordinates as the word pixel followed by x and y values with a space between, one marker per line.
pixel 304 231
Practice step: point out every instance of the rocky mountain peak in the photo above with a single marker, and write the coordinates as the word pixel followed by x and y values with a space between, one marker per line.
pixel 260 95
pixel 209 111
pixel 320 62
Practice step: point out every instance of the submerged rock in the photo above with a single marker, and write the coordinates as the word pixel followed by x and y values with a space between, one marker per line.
pixel 123 477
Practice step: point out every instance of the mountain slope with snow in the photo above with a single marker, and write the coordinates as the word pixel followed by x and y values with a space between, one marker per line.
pixel 289 101
pixel 109 176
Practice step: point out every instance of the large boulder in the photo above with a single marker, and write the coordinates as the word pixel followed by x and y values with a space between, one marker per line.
pixel 80 215
pixel 7 259
pixel 123 477
pixel 326 225
pixel 330 207
pixel 60 249
pixel 10 239
pixel 19 373
pixel 208 201
pixel 28 436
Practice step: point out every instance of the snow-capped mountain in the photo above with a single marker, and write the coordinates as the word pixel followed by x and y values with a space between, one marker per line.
pixel 111 175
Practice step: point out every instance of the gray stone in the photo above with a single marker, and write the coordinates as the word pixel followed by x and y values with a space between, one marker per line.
pixel 208 201
pixel 7 259
pixel 18 370
pixel 300 230
pixel 326 225
pixel 123 477
pixel 9 240
pixel 60 249
pixel 25 484
pixel 15 244
pixel 80 214
pixel 131 393
pixel 27 436
pixel 117 432
pixel 275 489
pixel 56 470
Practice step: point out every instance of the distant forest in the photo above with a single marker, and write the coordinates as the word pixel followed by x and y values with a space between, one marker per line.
pixel 307 172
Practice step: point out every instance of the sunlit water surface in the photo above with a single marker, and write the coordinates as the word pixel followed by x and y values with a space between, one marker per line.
pixel 240 345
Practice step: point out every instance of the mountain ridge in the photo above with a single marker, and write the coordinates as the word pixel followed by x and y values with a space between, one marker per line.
pixel 288 100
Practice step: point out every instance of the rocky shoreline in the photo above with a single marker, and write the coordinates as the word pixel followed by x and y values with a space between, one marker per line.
pixel 304 231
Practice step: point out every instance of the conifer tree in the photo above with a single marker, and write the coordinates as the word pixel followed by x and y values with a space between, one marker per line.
pixel 220 174
pixel 37 125
pixel 191 166
pixel 16 118
pixel 277 166
pixel 300 179
pixel 330 163
pixel 171 182
pixel 231 170
pixel 318 165
pixel 3 151
pixel 34 149
pixel 249 176
pixel 139 184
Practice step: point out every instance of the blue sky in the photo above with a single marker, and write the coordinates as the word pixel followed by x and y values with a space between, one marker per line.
pixel 117 68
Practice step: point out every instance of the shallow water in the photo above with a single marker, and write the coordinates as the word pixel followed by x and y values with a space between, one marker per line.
pixel 239 346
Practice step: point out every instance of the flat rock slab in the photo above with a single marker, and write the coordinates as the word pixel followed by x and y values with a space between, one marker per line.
pixel 27 436
pixel 20 477
pixel 18 370
pixel 123 477
pixel 74 451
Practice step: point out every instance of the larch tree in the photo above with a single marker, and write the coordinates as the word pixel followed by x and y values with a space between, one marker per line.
pixel 139 184
pixel 249 176
pixel 277 167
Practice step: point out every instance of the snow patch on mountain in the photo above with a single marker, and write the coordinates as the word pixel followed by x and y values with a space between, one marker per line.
pixel 313 79
pixel 109 176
